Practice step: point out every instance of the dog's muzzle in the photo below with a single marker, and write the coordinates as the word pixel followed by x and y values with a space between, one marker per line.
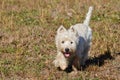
pixel 67 52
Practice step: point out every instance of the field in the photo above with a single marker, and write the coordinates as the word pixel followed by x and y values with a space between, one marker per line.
pixel 27 34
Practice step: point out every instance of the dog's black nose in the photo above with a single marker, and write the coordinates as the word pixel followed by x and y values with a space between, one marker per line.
pixel 67 49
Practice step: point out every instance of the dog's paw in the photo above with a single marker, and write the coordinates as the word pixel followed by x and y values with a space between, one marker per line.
pixel 63 65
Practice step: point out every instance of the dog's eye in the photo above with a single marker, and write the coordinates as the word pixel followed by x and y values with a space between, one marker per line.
pixel 71 42
pixel 63 42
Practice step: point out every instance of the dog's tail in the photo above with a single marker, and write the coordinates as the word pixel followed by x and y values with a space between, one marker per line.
pixel 88 16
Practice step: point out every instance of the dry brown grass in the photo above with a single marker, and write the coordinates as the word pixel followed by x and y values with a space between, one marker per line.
pixel 27 30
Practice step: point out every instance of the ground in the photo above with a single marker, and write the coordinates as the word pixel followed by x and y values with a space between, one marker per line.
pixel 27 35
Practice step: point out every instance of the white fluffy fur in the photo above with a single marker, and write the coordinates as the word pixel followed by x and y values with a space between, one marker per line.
pixel 77 39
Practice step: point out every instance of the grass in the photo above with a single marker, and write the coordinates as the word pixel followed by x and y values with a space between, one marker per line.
pixel 27 33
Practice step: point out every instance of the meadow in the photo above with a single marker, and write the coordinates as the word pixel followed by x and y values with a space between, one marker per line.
pixel 27 38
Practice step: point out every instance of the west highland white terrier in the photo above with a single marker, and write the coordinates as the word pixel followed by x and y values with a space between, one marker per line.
pixel 73 44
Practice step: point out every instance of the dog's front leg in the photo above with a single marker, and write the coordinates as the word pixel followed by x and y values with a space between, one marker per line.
pixel 60 61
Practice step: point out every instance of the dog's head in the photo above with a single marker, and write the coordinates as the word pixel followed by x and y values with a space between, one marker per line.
pixel 66 41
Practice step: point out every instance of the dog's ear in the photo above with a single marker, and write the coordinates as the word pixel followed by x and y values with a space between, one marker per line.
pixel 73 30
pixel 61 29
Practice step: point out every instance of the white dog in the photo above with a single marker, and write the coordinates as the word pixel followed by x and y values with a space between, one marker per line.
pixel 73 44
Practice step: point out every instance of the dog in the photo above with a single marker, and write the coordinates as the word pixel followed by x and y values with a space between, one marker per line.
pixel 73 44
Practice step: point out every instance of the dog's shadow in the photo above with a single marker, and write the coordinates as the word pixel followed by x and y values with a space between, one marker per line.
pixel 98 61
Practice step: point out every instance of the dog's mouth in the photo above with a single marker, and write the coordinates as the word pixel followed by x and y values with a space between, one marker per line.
pixel 67 54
